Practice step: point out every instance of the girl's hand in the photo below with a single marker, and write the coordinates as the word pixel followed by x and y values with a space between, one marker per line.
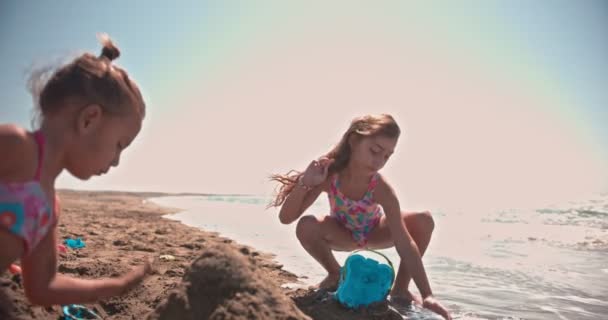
pixel 136 275
pixel 316 172
pixel 432 304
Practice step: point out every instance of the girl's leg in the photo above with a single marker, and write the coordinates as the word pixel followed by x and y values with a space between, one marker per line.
pixel 319 236
pixel 420 225
pixel 11 249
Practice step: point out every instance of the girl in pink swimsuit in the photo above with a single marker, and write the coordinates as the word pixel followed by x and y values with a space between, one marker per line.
pixel 364 210
pixel 90 110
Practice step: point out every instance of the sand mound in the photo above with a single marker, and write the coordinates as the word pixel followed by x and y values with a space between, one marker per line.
pixel 223 284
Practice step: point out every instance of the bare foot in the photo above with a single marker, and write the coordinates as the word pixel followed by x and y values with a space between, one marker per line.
pixel 330 283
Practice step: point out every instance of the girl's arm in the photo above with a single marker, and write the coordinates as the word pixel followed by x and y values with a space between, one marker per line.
pixel 44 286
pixel 18 151
pixel 17 164
pixel 404 243
pixel 298 201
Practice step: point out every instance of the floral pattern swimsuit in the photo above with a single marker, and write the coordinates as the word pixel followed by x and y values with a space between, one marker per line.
pixel 25 210
pixel 359 217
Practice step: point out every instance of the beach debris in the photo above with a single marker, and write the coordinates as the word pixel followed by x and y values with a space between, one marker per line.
pixel 62 249
pixel 77 243
pixel 78 312
pixel 166 257
pixel 14 269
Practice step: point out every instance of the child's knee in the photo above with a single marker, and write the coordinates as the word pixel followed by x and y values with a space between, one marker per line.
pixel 422 221
pixel 426 221
pixel 307 227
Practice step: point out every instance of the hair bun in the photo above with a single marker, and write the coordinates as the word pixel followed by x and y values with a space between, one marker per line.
pixel 109 51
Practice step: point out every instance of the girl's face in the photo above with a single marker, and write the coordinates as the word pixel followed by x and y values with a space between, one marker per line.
pixel 99 141
pixel 372 153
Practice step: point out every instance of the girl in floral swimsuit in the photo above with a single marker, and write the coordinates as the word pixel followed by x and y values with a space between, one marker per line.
pixel 90 112
pixel 365 212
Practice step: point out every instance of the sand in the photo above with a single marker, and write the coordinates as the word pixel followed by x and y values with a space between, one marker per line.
pixel 210 277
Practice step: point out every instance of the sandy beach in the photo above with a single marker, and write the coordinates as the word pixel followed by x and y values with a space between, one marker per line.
pixel 213 277
pixel 227 280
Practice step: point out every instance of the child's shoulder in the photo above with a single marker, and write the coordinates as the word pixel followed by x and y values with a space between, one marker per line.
pixel 382 186
pixel 12 133
pixel 15 139
pixel 18 150
pixel 381 180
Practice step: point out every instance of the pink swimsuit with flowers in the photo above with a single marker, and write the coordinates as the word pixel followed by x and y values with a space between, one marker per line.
pixel 25 210
pixel 360 217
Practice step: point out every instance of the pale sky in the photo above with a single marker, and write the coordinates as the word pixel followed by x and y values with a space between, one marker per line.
pixel 501 103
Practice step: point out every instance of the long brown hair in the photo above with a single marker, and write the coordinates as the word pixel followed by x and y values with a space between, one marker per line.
pixel 88 79
pixel 365 126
